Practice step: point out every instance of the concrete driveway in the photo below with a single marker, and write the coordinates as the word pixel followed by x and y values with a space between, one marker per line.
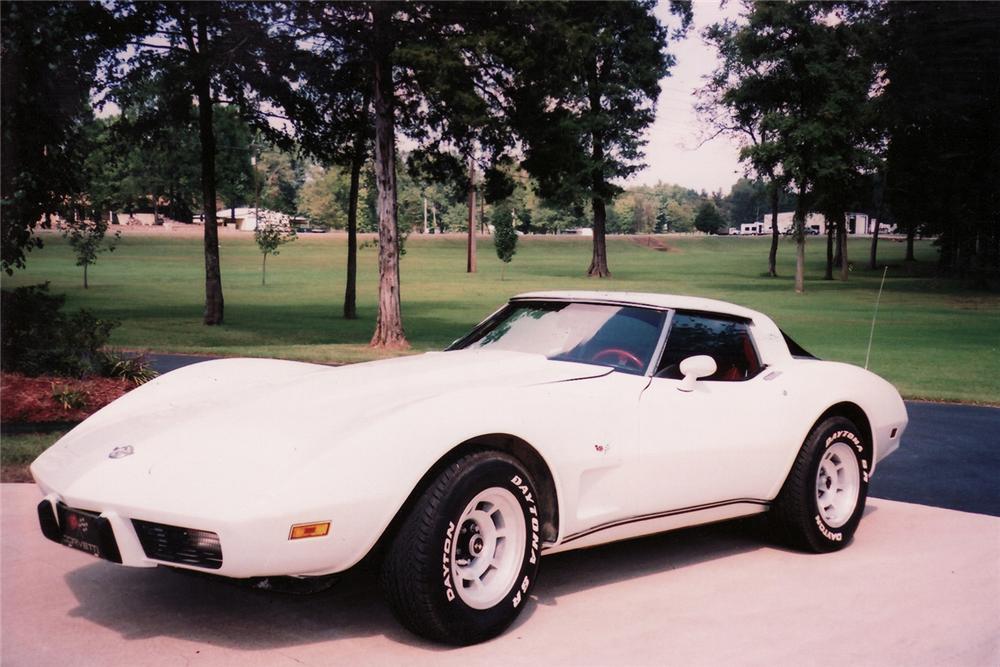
pixel 918 586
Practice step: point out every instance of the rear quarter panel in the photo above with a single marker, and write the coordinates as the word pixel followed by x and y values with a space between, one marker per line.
pixel 815 386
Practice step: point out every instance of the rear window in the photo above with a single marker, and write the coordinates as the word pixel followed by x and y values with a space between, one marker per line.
pixel 795 349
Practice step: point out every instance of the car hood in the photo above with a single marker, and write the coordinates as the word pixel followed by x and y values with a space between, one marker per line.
pixel 243 423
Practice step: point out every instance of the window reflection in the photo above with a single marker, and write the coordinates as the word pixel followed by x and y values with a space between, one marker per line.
pixel 623 337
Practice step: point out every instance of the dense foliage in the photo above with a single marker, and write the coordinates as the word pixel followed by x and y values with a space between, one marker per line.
pixel 39 338
pixel 540 108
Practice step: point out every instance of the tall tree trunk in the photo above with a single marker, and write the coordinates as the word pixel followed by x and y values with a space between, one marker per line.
pixel 482 214
pixel 834 221
pixel 828 273
pixel 85 284
pixel 263 271
pixel 357 160
pixel 845 265
pixel 599 260
pixel 799 223
pixel 389 326
pixel 213 275
pixel 232 215
pixel 909 244
pixel 772 256
pixel 873 254
pixel 470 266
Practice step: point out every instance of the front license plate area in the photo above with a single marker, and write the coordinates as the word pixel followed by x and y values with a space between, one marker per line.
pixel 80 530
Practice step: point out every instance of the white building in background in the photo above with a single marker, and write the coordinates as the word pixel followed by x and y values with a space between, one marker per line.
pixel 858 224
pixel 246 219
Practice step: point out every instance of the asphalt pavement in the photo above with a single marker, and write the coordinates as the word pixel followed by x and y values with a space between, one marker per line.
pixel 949 457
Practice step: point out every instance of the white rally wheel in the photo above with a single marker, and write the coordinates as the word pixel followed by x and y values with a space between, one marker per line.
pixel 488 550
pixel 838 481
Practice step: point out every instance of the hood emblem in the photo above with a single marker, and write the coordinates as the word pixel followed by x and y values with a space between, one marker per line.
pixel 121 452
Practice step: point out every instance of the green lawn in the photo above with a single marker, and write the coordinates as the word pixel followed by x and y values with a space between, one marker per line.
pixel 20 450
pixel 934 339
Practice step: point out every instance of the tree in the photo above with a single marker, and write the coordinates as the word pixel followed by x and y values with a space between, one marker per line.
pixel 212 52
pixel 324 197
pixel 662 218
pixel 416 61
pixel 155 138
pixel 746 200
pixel 586 81
pixel 234 168
pixel 940 106
pixel 280 176
pixel 731 105
pixel 801 81
pixel 389 325
pixel 87 238
pixel 334 124
pixel 270 234
pixel 504 236
pixel 708 219
pixel 49 60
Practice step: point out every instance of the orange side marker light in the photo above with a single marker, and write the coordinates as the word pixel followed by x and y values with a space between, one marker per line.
pixel 301 530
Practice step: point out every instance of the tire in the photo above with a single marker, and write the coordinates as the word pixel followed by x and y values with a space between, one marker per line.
pixel 466 555
pixel 821 503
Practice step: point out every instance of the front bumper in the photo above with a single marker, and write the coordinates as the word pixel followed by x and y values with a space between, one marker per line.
pixel 253 548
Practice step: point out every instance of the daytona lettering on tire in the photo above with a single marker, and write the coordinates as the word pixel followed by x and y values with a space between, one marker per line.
pixel 821 503
pixel 466 554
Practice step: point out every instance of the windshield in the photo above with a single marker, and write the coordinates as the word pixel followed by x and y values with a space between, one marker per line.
pixel 623 337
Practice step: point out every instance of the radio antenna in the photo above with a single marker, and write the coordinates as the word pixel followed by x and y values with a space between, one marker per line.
pixel 871 334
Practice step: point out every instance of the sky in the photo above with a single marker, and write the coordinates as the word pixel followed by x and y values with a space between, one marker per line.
pixel 673 154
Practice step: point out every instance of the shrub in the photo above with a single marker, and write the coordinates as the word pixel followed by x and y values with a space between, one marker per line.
pixel 132 369
pixel 37 338
pixel 67 398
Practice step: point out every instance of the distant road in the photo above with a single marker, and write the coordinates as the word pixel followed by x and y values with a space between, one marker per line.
pixel 950 456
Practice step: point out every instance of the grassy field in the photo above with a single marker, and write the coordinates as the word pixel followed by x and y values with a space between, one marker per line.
pixel 20 450
pixel 934 339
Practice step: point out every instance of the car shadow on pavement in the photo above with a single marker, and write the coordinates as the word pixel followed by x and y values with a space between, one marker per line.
pixel 143 603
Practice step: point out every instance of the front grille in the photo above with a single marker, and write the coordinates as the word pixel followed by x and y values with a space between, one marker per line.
pixel 174 544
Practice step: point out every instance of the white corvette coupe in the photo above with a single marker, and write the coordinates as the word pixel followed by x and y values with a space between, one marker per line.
pixel 564 420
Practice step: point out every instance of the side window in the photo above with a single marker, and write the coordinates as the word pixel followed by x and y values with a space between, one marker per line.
pixel 726 341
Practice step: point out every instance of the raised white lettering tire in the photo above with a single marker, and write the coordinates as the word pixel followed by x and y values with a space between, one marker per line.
pixel 465 557
pixel 821 503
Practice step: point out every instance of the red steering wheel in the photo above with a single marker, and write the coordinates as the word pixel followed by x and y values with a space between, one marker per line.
pixel 620 357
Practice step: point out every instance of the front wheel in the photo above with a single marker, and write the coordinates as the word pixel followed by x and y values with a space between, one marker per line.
pixel 821 503
pixel 461 566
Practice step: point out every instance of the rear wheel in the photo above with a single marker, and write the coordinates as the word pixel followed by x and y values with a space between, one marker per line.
pixel 466 555
pixel 821 503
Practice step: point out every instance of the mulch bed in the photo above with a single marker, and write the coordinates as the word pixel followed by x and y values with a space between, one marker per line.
pixel 30 399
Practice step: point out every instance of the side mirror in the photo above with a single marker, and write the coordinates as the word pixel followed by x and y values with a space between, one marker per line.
pixel 694 368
